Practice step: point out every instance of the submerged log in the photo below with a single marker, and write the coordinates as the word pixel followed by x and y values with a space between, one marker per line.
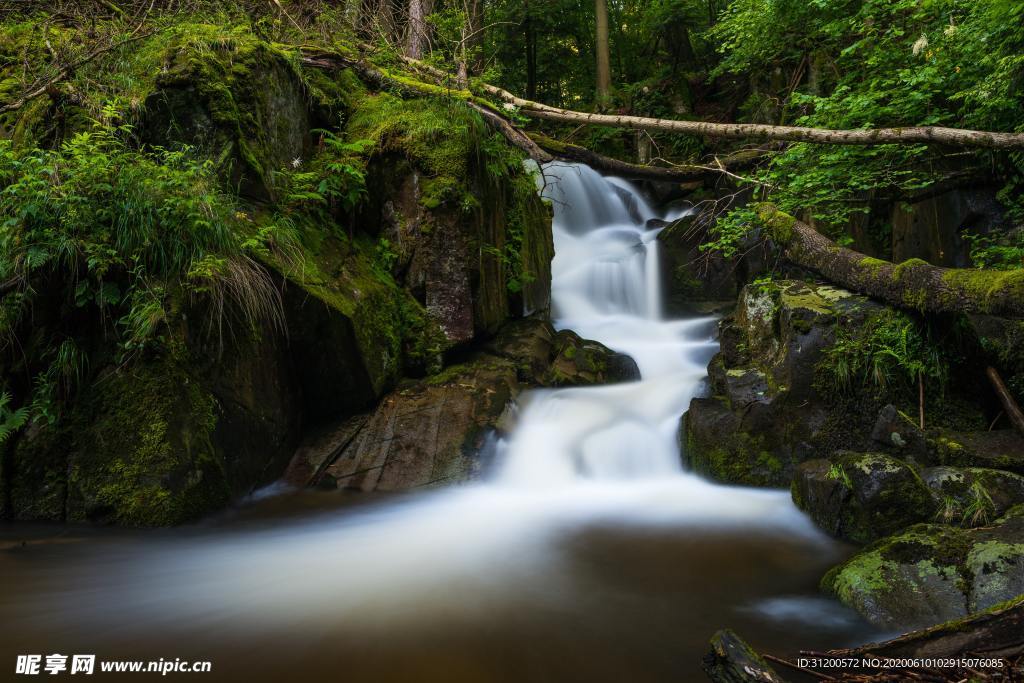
pixel 731 660
pixel 913 284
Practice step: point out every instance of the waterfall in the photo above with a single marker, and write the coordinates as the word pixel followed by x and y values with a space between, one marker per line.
pixel 606 286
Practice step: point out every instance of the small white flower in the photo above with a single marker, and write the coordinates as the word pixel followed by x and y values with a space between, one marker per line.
pixel 920 44
pixel 509 106
pixel 296 162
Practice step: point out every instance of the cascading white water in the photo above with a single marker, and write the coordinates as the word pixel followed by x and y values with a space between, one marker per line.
pixel 447 566
pixel 606 286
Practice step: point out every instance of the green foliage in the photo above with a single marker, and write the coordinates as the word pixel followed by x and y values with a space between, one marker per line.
pixel 999 254
pixel 892 348
pixel 10 420
pixel 333 181
pixel 876 63
pixel 126 233
pixel 727 234
pixel 837 473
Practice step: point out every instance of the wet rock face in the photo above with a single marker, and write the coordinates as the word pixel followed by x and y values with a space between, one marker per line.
pixel 765 414
pixel 694 278
pixel 862 497
pixel 931 573
pixel 434 431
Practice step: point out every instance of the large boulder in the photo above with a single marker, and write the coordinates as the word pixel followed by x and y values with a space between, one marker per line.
pixel 932 573
pixel 433 431
pixel 862 497
pixel 766 413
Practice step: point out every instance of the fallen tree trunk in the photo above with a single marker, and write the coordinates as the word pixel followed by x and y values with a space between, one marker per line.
pixel 997 632
pixel 912 284
pixel 868 136
pixel 676 174
pixel 752 131
pixel 731 660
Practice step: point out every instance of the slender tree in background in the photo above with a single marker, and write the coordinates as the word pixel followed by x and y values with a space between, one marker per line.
pixel 530 31
pixel 604 72
pixel 417 28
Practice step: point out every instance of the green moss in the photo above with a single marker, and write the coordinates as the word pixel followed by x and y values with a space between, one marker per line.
pixel 146 456
pixel 777 224
pixel 987 287
pixel 901 269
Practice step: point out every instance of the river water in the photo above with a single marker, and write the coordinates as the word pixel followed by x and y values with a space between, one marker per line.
pixel 589 553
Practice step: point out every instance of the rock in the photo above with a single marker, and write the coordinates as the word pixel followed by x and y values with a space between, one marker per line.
pixel 973 496
pixel 433 431
pixel 242 102
pixel 932 228
pixel 578 361
pixel 692 276
pixel 999 449
pixel 862 497
pixel 897 431
pixel 429 433
pixel 553 359
pixel 766 414
pixel 932 573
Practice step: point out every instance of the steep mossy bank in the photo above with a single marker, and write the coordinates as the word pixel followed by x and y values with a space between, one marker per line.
pixel 211 250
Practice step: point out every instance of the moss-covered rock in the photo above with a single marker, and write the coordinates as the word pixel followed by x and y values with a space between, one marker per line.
pixel 470 236
pixel 144 453
pixel 766 414
pixel 235 97
pixel 862 497
pixel 579 361
pixel 932 573
pixel 973 496
pixel 1000 449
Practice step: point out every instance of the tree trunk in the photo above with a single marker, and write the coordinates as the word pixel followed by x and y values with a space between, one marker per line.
pixel 531 54
pixel 912 284
pixel 604 71
pixel 417 29
pixel 476 36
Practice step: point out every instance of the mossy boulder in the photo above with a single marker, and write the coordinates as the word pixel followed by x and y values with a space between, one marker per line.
pixel 862 497
pixel 578 361
pixel 932 573
pixel 236 98
pixel 428 433
pixel 766 414
pixel 973 496
pixel 137 449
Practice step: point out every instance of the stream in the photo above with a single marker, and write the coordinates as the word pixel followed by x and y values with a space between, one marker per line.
pixel 588 553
